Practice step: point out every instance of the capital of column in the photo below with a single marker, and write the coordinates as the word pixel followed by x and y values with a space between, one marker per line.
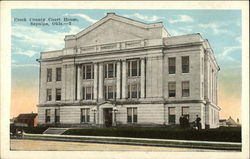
pixel 142 58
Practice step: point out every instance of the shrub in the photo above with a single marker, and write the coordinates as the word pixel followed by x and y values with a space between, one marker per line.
pixel 219 134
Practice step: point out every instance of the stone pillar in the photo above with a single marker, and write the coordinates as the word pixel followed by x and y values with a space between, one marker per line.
pixel 142 77
pixel 124 79
pixel 79 81
pixel 118 80
pixel 215 88
pixel 100 81
pixel 95 80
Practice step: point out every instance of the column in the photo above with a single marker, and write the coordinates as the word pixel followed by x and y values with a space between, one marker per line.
pixel 100 81
pixel 215 88
pixel 124 79
pixel 95 80
pixel 142 77
pixel 118 80
pixel 79 82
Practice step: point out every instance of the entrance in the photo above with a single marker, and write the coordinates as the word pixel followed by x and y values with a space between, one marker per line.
pixel 107 114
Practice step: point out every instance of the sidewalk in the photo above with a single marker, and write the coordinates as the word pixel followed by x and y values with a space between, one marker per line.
pixel 139 141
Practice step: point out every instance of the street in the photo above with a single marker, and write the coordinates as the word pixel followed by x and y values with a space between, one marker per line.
pixel 41 145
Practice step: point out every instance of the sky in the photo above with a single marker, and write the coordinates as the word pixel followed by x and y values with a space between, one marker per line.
pixel 221 27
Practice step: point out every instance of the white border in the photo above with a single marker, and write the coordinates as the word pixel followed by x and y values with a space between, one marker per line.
pixel 6 74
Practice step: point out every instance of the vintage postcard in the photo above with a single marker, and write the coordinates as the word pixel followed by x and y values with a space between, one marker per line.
pixel 124 79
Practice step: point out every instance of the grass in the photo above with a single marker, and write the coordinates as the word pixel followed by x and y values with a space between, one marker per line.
pixel 224 134
pixel 220 134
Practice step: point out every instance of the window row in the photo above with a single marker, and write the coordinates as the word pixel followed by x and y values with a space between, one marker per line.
pixel 134 91
pixel 185 86
pixel 132 115
pixel 48 115
pixel 58 94
pixel 184 64
pixel 85 115
pixel 110 69
pixel 58 74
pixel 172 114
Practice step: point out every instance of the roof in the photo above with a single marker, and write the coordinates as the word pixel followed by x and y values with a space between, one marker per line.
pixel 113 16
pixel 29 116
pixel 222 120
pixel 230 121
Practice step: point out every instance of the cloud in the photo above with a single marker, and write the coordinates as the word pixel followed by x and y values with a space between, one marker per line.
pixel 83 16
pixel 144 17
pixel 227 53
pixel 181 30
pixel 181 18
pixel 176 32
pixel 19 51
pixel 24 65
pixel 216 28
pixel 37 38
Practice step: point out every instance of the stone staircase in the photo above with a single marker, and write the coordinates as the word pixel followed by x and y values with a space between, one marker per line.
pixel 58 131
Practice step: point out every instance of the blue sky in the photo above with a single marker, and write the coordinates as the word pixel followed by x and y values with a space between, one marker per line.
pixel 221 27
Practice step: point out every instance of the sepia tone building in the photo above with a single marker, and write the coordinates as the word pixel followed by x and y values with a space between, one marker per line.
pixel 121 72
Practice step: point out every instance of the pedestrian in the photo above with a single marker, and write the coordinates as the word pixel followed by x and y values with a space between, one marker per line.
pixel 185 122
pixel 197 121
pixel 181 121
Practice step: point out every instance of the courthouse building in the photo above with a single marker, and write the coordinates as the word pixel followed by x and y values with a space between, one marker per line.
pixel 122 72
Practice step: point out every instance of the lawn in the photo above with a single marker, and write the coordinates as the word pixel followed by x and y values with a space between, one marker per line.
pixel 224 134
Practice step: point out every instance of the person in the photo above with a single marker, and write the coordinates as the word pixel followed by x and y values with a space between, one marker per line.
pixel 185 122
pixel 181 121
pixel 197 121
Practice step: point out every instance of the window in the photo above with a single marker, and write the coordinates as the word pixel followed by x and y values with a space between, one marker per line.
pixel 132 115
pixel 185 64
pixel 134 68
pixel 49 94
pixel 88 71
pixel 110 92
pixel 171 115
pixel 49 74
pixel 58 74
pixel 185 112
pixel 171 89
pixel 85 115
pixel 171 65
pixel 47 115
pixel 185 89
pixel 110 70
pixel 57 115
pixel 134 90
pixel 88 93
pixel 58 94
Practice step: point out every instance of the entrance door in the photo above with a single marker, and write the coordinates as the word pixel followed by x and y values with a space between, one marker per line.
pixel 107 114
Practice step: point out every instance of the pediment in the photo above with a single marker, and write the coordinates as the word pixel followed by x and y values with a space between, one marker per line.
pixel 113 28
pixel 112 31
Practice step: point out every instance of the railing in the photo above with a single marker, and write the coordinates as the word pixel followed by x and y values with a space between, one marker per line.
pixel 112 46
pixel 51 54
pixel 103 47
pixel 133 44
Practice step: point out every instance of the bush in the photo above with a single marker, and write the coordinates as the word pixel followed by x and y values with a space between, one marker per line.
pixel 35 130
pixel 219 134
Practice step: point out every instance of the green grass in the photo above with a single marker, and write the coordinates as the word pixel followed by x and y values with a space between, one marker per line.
pixel 35 130
pixel 220 134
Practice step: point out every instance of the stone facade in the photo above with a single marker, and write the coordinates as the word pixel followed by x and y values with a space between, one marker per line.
pixel 123 72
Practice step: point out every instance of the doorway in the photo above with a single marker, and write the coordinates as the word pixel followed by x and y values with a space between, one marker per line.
pixel 107 114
